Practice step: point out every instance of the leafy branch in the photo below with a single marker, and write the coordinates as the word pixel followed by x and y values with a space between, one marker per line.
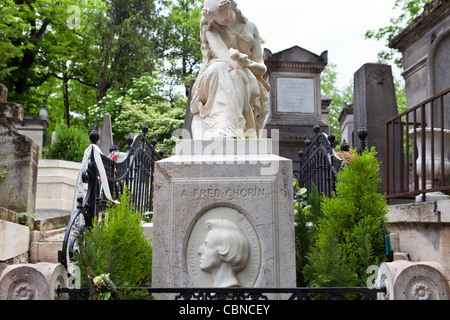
pixel 410 10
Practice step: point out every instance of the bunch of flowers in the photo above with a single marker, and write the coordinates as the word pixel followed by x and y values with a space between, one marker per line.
pixel 103 286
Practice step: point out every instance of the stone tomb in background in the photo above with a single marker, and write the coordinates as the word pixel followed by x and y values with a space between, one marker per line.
pixel 19 158
pixel 295 98
pixel 224 190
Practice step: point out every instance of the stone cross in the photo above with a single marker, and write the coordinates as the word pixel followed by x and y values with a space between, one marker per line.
pixel 19 157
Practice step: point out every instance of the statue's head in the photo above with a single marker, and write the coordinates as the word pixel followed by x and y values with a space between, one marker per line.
pixel 223 12
pixel 224 244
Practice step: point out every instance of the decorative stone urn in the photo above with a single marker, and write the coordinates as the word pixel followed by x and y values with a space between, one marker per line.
pixel 429 175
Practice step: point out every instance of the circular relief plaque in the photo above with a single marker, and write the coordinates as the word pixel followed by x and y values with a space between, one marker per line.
pixel 248 270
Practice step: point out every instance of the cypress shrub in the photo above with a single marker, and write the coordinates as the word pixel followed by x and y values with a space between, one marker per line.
pixel 349 236
pixel 116 245
pixel 69 145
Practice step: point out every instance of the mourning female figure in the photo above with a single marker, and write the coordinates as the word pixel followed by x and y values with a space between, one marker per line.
pixel 229 97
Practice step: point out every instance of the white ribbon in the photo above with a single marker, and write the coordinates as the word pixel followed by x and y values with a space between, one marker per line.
pixel 101 170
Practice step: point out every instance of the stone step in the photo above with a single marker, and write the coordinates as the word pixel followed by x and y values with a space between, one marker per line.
pixel 45 245
pixel 50 219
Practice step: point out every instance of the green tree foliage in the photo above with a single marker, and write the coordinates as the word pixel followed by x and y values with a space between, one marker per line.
pixel 410 9
pixel 129 36
pixel 338 96
pixel 116 245
pixel 349 235
pixel 146 101
pixel 69 145
pixel 47 41
pixel 307 212
pixel 182 40
pixel 72 52
pixel 329 267
pixel 27 36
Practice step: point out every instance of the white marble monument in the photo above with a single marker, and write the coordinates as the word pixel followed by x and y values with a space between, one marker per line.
pixel 223 208
pixel 229 97
pixel 223 216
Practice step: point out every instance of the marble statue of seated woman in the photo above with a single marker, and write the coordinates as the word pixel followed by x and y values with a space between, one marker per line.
pixel 229 97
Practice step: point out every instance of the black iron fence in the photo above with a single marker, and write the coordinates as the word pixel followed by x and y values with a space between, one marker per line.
pixel 320 164
pixel 107 178
pixel 418 149
pixel 348 293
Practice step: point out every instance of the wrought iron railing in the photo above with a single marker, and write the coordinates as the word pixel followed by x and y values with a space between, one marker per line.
pixel 319 164
pixel 418 149
pixel 360 293
pixel 134 172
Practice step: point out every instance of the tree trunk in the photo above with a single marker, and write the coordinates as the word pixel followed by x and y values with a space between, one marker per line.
pixel 66 98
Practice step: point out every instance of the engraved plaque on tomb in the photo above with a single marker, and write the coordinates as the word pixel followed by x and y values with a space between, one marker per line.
pixel 295 95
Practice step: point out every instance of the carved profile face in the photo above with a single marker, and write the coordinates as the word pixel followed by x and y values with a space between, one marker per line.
pixel 209 254
pixel 224 252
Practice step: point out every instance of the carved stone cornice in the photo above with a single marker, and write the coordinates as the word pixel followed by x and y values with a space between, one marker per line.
pixel 295 65
pixel 434 12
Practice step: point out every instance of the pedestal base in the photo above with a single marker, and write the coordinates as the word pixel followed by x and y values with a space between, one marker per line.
pixel 241 182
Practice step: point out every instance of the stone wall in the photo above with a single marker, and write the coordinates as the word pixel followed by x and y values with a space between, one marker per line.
pixel 56 181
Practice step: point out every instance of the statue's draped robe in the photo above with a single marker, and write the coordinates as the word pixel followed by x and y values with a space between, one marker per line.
pixel 228 102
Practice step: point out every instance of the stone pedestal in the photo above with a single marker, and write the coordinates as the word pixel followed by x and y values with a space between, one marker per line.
pixel 229 189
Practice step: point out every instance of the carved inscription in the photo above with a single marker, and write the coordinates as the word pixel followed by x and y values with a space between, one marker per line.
pixel 224 193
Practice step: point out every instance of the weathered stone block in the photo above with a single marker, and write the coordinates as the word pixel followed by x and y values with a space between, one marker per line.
pixel 14 240
pixel 8 215
pixel 45 251
pixel 443 207
pixel 19 159
pixel 11 111
pixel 423 212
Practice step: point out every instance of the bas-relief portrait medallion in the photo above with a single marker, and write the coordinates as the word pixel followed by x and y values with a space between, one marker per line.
pixel 223 250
